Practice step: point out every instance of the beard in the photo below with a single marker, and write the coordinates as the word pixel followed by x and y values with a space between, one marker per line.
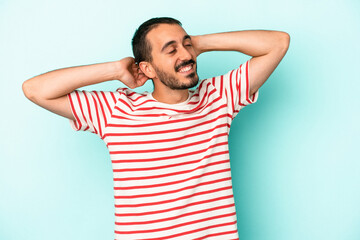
pixel 173 82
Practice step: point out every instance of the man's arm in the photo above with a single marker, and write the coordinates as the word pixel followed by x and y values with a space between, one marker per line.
pixel 49 90
pixel 267 48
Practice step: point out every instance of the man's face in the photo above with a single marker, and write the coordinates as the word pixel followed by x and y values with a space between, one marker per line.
pixel 174 58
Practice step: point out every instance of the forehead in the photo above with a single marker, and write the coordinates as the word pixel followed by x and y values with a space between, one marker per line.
pixel 164 33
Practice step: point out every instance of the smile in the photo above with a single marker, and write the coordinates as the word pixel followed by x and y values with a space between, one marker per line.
pixel 186 68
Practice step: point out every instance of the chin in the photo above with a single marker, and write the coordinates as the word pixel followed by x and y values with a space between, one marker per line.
pixel 193 80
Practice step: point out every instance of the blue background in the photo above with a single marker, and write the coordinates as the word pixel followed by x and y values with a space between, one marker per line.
pixel 294 153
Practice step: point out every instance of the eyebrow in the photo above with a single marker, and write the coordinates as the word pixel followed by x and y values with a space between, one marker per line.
pixel 172 42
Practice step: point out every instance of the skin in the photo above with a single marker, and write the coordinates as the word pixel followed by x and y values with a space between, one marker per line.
pixel 267 48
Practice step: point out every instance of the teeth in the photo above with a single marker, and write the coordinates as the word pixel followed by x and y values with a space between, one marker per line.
pixel 185 69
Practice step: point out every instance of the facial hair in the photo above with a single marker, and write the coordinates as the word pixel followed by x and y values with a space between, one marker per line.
pixel 171 81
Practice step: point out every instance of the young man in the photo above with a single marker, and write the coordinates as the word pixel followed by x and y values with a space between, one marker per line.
pixel 169 148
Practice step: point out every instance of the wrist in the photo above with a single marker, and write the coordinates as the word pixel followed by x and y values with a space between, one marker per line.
pixel 198 44
pixel 117 69
pixel 210 42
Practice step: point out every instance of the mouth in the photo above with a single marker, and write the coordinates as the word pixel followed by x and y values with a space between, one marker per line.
pixel 189 68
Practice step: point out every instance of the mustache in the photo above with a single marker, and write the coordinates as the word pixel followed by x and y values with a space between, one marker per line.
pixel 184 64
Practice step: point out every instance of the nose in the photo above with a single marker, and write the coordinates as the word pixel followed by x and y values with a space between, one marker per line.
pixel 184 54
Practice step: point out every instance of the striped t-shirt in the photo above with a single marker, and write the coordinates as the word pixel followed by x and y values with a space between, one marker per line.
pixel 170 162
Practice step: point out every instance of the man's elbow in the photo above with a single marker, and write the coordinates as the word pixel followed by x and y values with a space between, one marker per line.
pixel 26 88
pixel 281 44
pixel 29 90
pixel 284 41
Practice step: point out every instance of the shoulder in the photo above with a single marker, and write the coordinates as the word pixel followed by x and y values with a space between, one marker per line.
pixel 129 93
pixel 129 96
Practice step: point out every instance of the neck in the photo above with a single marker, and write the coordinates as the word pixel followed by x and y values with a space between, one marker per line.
pixel 170 96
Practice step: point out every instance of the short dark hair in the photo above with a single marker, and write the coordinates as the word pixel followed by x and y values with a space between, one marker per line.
pixel 140 46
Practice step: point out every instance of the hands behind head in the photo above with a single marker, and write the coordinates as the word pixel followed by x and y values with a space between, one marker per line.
pixel 130 74
pixel 196 43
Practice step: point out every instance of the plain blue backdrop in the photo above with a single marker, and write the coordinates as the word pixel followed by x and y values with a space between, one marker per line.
pixel 294 153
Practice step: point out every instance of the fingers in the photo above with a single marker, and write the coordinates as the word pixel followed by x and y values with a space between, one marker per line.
pixel 139 78
pixel 138 71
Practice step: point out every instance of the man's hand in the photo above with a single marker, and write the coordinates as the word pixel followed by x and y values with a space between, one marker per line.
pixel 130 74
pixel 195 41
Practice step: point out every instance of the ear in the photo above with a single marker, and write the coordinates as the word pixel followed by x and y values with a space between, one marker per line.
pixel 147 69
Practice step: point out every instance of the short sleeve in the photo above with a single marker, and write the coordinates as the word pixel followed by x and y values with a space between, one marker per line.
pixel 234 87
pixel 91 110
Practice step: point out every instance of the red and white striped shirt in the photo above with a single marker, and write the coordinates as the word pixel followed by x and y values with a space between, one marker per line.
pixel 170 162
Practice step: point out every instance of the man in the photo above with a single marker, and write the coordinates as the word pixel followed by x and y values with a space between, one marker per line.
pixel 169 148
